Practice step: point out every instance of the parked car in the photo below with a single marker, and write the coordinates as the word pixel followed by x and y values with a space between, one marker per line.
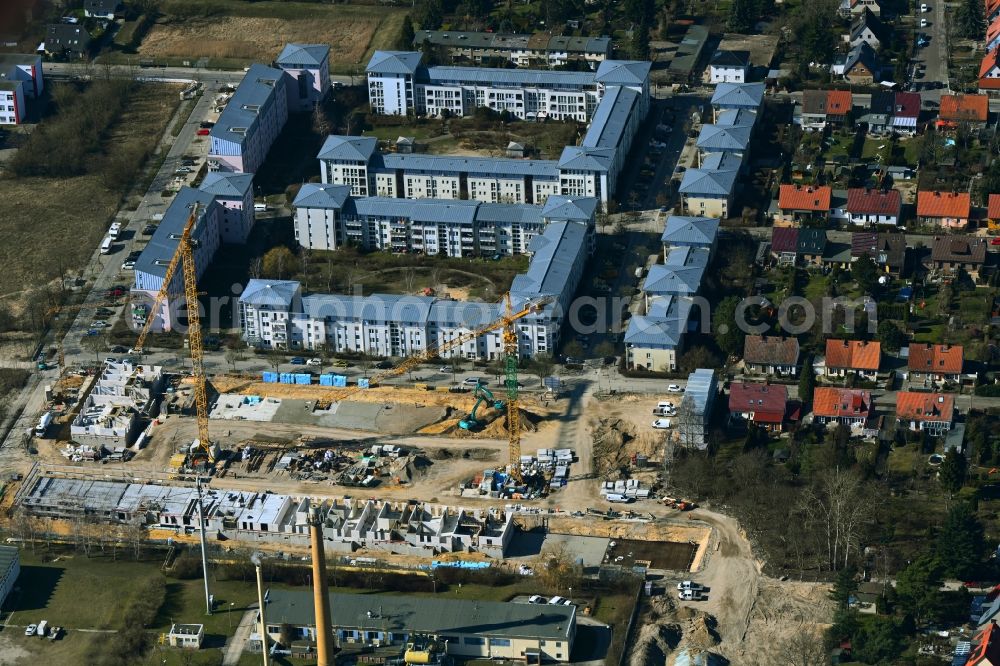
pixel 664 411
pixel 149 229
pixel 924 23
pixel 297 360
pixel 128 265
pixel 182 169
pixel 340 363
pixel 689 595
pixel 314 361
pixel 665 404
pixel 559 601
pixel 689 585
pixel 473 381
pixel 30 629
pixel 111 359
pixel 674 388
pixel 119 349
pixel 383 365
pixel 206 123
pixel 204 131
pixel 100 323
pixel 56 631
pixel 103 312
pixel 661 424
pixel 536 599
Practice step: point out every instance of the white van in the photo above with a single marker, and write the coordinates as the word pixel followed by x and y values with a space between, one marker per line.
pixel 106 245
pixel 115 231
pixel 43 628
pixel 618 498
pixel 259 208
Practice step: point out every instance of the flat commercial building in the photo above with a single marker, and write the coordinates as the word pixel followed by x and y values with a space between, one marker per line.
pixel 472 629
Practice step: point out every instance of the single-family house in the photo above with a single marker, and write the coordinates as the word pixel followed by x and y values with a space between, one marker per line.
pixel 859 357
pixel 812 116
pixel 992 35
pixel 963 109
pixel 869 207
pixel 784 243
pixel 931 364
pixel 985 648
pixel 869 29
pixel 989 71
pixel 771 355
pixel 862 65
pixel 952 254
pixel 803 204
pixel 729 67
pixel 811 246
pixel 947 209
pixel 838 107
pixel 70 40
pixel 933 412
pixel 992 11
pixel 852 407
pixel 879 116
pixel 764 405
pixel 993 212
pixel 849 8
pixel 102 9
pixel 888 251
pixel 907 113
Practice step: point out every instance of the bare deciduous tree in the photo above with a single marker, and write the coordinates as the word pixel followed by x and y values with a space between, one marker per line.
pixel 838 504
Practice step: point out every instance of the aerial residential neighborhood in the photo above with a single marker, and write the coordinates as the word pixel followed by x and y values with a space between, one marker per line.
pixel 647 333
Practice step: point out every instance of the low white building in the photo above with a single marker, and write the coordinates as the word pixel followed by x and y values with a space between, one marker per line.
pixel 729 67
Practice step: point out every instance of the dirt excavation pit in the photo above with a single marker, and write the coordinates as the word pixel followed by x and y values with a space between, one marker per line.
pixel 617 441
pixel 658 554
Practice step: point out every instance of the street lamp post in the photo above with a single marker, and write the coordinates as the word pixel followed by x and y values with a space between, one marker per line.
pixel 257 562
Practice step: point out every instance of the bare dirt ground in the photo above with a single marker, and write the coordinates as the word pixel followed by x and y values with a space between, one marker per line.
pixel 260 39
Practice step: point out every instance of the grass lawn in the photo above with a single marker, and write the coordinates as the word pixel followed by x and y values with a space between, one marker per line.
pixel 425 129
pixel 816 286
pixel 911 150
pixel 874 147
pixel 62 220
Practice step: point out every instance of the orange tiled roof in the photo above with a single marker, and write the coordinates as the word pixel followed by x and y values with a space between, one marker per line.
pixel 989 60
pixel 985 646
pixel 943 204
pixel 805 197
pixel 838 102
pixel 964 107
pixel 936 359
pixel 993 208
pixel 834 402
pixel 924 406
pixel 853 354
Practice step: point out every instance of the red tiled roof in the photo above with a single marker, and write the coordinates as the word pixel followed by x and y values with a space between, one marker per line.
pixel 992 30
pixel 943 204
pixel 985 646
pixel 838 102
pixel 993 208
pixel 989 61
pixel 907 105
pixel 784 239
pixel 874 202
pixel 924 406
pixel 831 402
pixel 853 354
pixel 805 197
pixel 936 359
pixel 767 402
pixel 964 107
pixel 992 6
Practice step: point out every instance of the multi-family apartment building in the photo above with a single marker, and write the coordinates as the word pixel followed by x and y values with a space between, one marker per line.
pixel 538 50
pixel 327 217
pixel 275 314
pixel 109 416
pixel 251 121
pixel 308 68
pixel 20 79
pixel 234 193
pixel 398 84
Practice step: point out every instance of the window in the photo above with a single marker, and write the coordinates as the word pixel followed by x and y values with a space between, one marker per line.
pixel 500 642
pixel 474 640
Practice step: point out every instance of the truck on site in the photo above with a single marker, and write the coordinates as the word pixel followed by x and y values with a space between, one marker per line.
pixel 43 424
pixel 619 499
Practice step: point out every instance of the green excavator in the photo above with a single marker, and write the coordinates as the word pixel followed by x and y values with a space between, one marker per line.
pixel 482 395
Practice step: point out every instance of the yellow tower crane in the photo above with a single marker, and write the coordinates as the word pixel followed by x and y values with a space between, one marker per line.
pixel 185 257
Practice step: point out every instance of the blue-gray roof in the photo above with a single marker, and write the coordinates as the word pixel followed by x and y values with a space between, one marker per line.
pixel 579 209
pixel 586 159
pixel 317 195
pixel 273 293
pixel 510 77
pixel 701 386
pixel 463 314
pixel 709 182
pixel 681 274
pixel 722 162
pixel 255 90
pixel 350 148
pixel 663 326
pixel 163 245
pixel 736 117
pixel 724 137
pixel 610 118
pixel 379 308
pixel 228 185
pixel 738 95
pixel 498 166
pixel 509 213
pixel 623 72
pixel 444 211
pixel 554 254
pixel 303 56
pixel 394 62
pixel 690 231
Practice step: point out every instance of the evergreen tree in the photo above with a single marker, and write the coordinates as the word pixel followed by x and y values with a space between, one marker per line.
pixel 890 335
pixel 807 383
pixel 960 543
pixel 728 335
pixel 844 586
pixel 743 15
pixel 918 587
pixel 970 21
pixel 952 471
pixel 406 35
pixel 640 41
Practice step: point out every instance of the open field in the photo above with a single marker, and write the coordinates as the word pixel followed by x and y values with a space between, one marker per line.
pixel 256 32
pixel 62 219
